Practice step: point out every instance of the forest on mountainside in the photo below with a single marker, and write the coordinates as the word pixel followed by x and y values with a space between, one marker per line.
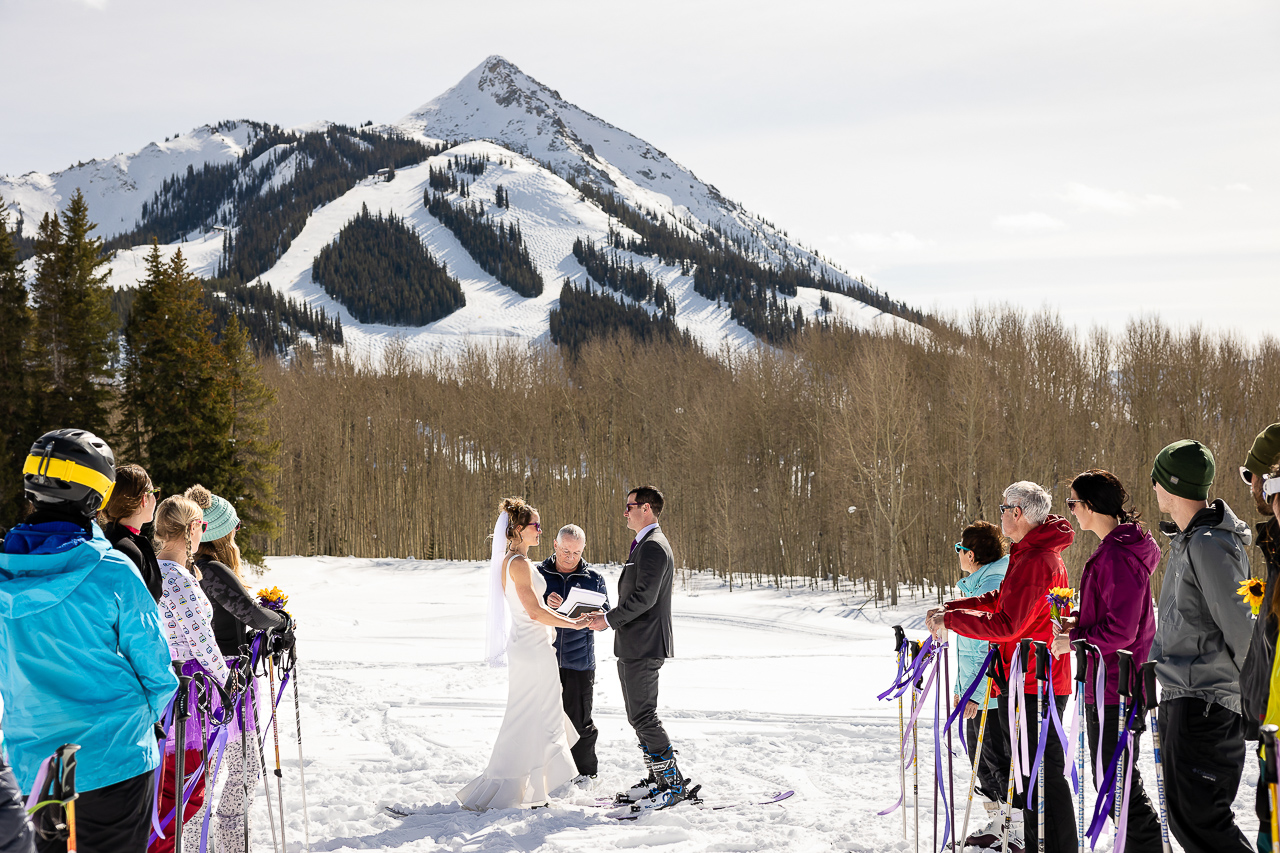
pixel 585 314
pixel 497 247
pixel 851 457
pixel 378 268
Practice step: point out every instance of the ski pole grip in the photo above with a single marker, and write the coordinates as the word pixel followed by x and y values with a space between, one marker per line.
pixel 915 653
pixel 1042 661
pixel 1149 684
pixel 1024 652
pixel 67 769
pixel 1124 673
pixel 1268 734
pixel 181 704
pixel 1082 660
pixel 993 668
pixel 899 638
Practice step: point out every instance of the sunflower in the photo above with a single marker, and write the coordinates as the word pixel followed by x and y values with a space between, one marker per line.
pixel 1252 590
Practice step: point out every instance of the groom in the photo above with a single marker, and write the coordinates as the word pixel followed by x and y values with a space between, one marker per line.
pixel 642 620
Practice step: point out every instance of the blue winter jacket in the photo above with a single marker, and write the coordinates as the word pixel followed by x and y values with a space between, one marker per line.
pixel 970 652
pixel 82 656
pixel 574 649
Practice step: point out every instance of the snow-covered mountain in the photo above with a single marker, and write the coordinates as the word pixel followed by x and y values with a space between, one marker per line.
pixel 535 143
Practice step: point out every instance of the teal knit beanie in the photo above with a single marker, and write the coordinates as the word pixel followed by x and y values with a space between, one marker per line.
pixel 219 514
pixel 1185 469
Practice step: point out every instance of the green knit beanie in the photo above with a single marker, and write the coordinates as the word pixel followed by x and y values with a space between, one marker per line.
pixel 1265 450
pixel 1185 469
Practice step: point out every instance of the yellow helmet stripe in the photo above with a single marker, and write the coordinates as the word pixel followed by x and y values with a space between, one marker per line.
pixel 72 472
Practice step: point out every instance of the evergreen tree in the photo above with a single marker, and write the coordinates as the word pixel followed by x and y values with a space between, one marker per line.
pixel 73 340
pixel 253 477
pixel 176 398
pixel 15 391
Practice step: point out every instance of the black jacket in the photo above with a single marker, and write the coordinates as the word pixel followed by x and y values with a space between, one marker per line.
pixel 1255 675
pixel 642 619
pixel 140 552
pixel 236 613
pixel 574 649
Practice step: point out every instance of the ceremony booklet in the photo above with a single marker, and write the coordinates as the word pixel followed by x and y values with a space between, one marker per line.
pixel 580 601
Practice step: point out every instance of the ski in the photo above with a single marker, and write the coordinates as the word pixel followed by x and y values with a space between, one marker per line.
pixel 759 800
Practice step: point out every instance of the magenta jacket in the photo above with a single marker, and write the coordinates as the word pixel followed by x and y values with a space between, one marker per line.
pixel 1116 609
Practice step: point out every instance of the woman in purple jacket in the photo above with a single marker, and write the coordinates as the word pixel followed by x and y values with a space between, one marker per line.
pixel 1116 612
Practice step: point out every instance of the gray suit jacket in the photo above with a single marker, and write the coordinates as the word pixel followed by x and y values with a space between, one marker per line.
pixel 642 619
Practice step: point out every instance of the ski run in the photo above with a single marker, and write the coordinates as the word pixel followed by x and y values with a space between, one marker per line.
pixel 770 690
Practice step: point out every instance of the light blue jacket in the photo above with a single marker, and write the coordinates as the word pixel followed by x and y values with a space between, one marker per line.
pixel 82 656
pixel 970 652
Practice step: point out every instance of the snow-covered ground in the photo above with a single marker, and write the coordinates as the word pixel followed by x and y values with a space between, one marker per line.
pixel 771 689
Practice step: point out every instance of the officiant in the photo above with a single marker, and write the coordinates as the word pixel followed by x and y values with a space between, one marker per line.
pixel 563 571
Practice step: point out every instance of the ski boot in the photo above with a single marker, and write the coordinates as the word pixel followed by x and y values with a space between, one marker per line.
pixel 672 788
pixel 641 790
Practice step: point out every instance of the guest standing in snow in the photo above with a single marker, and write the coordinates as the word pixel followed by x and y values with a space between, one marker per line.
pixel 983 564
pixel 188 620
pixel 1116 612
pixel 575 649
pixel 67 595
pixel 236 616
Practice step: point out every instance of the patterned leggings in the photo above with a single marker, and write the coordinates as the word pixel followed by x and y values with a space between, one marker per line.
pixel 229 832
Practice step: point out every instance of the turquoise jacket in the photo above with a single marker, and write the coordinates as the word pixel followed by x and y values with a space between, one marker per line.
pixel 82 656
pixel 970 652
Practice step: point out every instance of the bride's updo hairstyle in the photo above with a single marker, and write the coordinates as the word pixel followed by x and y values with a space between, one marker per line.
pixel 519 514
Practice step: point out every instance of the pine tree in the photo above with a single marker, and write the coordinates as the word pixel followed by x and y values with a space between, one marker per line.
pixel 73 340
pixel 176 399
pixel 253 483
pixel 15 391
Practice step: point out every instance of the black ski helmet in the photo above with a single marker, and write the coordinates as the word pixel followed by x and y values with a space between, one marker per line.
pixel 69 469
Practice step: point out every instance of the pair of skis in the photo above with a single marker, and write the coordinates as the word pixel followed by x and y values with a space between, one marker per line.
pixel 609 803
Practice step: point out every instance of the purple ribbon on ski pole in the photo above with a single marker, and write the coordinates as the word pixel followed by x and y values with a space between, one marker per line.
pixel 911 673
pixel 1105 805
pixel 964 699
pixel 1052 717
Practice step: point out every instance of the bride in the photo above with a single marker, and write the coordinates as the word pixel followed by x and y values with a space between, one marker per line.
pixel 531 756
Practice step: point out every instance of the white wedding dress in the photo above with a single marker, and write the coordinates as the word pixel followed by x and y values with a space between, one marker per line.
pixel 531 756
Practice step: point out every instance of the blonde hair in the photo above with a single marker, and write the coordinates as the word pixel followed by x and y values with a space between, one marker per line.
pixel 173 521
pixel 132 485
pixel 519 514
pixel 223 550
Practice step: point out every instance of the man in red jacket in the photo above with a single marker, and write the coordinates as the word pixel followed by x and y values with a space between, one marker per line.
pixel 1019 609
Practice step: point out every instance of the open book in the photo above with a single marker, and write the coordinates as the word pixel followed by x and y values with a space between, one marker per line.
pixel 580 601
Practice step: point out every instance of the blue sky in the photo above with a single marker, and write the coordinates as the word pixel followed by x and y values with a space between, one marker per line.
pixel 1101 159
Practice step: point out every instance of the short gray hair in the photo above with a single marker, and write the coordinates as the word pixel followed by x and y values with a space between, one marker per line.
pixel 572 531
pixel 1032 498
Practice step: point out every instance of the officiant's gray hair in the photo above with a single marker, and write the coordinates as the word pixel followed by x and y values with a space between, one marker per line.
pixel 572 531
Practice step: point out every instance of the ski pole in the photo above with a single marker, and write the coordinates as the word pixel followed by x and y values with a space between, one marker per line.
pixel 1269 774
pixel 1082 675
pixel 1020 656
pixel 951 773
pixel 245 682
pixel 977 755
pixel 275 734
pixel 1124 660
pixel 1042 713
pixel 1149 691
pixel 937 701
pixel 900 647
pixel 266 786
pixel 302 772
pixel 915 750
pixel 181 713
pixel 67 789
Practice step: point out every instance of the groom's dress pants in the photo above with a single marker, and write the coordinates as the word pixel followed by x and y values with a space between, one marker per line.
pixel 639 678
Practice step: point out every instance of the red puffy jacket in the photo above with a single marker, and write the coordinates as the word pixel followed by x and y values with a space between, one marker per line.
pixel 1019 608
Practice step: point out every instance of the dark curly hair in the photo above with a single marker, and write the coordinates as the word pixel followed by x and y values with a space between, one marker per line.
pixel 985 541
pixel 1103 493
pixel 519 514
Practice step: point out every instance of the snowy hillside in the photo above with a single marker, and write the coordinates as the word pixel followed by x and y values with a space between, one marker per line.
pixel 535 143
pixel 770 689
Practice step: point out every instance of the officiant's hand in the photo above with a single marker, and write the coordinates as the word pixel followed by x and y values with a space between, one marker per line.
pixel 554 600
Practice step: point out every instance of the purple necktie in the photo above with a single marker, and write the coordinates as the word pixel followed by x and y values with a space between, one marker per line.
pixel 633 547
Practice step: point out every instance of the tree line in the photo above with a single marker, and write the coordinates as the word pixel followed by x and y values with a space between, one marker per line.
pixel 165 391
pixel 851 457
pixel 606 268
pixel 585 314
pixel 380 270
pixel 498 248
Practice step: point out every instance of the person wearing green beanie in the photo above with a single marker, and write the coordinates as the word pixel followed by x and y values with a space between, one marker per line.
pixel 1255 678
pixel 1201 641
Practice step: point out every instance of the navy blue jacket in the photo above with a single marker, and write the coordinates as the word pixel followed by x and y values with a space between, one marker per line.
pixel 574 649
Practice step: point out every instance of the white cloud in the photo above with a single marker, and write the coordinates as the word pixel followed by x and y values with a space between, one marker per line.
pixel 1027 223
pixel 897 241
pixel 1115 201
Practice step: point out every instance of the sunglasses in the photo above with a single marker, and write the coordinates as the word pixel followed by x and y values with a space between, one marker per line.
pixel 1073 502
pixel 154 491
pixel 960 547
pixel 1006 507
pixel 204 526
pixel 536 526
pixel 1246 475
pixel 629 507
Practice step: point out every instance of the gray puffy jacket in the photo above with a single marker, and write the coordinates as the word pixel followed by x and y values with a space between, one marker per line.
pixel 1202 635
